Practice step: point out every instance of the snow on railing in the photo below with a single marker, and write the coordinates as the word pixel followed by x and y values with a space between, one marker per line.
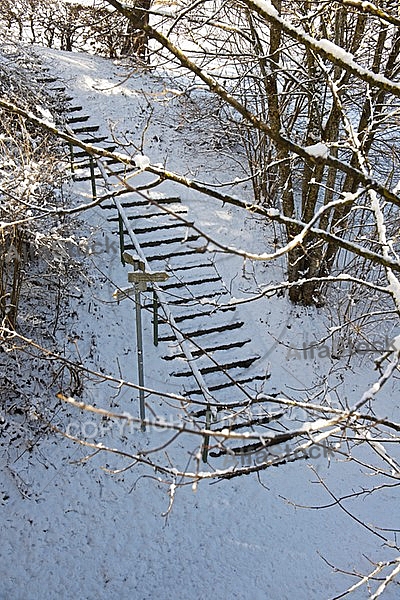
pixel 180 338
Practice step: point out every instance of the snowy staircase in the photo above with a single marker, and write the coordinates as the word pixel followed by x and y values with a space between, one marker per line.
pixel 218 340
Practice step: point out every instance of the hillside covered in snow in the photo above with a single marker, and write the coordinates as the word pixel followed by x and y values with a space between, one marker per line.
pixel 220 441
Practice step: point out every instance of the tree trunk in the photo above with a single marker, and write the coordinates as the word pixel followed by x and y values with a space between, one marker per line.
pixel 135 38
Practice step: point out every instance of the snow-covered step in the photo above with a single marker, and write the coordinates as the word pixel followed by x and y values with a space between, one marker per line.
pixel 224 389
pixel 175 352
pixel 115 171
pixel 47 79
pixel 160 241
pixel 219 360
pixel 152 221
pixel 84 173
pixel 78 119
pixel 111 161
pixel 78 153
pixel 202 332
pixel 192 300
pixel 73 109
pixel 220 374
pixel 83 170
pixel 142 206
pixel 211 323
pixel 135 201
pixel 194 277
pixel 193 271
pixel 198 291
pixel 195 290
pixel 154 214
pixel 198 262
pixel 175 263
pixel 164 255
pixel 190 315
pixel 241 380
pixel 170 225
pixel 170 265
pixel 94 139
pixel 86 129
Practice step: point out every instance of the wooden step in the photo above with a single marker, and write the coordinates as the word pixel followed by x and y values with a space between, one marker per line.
pixel 222 386
pixel 95 140
pixel 188 284
pixel 197 315
pixel 244 363
pixel 202 332
pixel 165 242
pixel 151 218
pixel 136 202
pixel 209 350
pixel 83 154
pixel 86 129
pixel 71 109
pixel 47 79
pixel 173 224
pixel 78 119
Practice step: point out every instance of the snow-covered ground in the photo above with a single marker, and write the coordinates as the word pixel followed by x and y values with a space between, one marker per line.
pixel 69 529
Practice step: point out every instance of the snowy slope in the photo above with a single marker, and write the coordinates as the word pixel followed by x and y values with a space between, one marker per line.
pixel 71 530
